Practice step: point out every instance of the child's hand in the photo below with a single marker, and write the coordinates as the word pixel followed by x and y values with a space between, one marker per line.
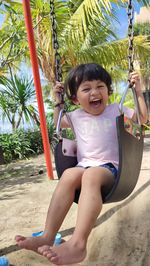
pixel 58 91
pixel 136 81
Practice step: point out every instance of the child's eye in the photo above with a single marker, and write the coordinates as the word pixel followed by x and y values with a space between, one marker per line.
pixel 101 87
pixel 86 89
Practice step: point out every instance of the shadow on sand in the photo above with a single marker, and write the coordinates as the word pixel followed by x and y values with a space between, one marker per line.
pixel 103 218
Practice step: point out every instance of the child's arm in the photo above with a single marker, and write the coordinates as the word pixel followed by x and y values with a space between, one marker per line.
pixel 135 79
pixel 57 90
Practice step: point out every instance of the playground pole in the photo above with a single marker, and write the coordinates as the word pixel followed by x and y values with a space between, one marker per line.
pixel 37 83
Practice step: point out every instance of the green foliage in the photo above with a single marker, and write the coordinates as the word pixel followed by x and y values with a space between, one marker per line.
pixel 16 98
pixel 15 146
pixel 51 130
pixel 35 139
pixel 23 144
pixel 116 97
pixel 85 34
pixel 142 29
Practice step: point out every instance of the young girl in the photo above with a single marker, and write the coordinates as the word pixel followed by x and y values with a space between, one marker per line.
pixel 89 86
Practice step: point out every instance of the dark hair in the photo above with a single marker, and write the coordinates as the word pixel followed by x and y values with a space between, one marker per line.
pixel 84 72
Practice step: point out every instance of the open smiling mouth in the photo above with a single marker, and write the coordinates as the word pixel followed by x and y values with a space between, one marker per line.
pixel 96 103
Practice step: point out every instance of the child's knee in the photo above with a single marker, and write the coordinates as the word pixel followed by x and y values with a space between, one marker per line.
pixel 72 176
pixel 92 177
pixel 87 180
pixel 68 178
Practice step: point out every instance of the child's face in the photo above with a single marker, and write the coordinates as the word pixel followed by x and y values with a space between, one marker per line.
pixel 92 96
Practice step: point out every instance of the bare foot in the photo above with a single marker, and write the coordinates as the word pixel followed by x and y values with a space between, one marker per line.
pixel 32 243
pixel 66 253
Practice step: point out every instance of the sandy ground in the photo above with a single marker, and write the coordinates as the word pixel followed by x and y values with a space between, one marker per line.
pixel 121 236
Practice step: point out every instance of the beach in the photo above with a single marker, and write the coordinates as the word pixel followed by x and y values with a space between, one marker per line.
pixel 121 236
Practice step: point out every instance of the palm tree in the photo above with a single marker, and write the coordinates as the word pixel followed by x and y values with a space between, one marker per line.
pixel 85 34
pixel 144 29
pixel 16 101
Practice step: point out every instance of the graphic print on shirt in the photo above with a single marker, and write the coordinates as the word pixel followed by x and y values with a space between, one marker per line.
pixel 96 136
pixel 96 126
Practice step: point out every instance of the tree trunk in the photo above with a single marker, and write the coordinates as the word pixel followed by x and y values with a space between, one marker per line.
pixel 46 60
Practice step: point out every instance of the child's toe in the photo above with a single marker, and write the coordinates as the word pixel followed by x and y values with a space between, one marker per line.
pixel 19 238
pixel 42 249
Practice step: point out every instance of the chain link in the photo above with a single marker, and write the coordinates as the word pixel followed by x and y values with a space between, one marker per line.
pixel 131 54
pixel 58 70
pixel 130 37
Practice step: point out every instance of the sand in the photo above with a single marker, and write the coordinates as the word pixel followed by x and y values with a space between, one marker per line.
pixel 121 236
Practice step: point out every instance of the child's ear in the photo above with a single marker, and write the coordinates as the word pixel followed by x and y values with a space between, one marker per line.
pixel 75 100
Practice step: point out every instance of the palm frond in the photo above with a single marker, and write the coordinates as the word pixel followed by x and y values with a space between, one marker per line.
pixel 85 13
pixel 116 51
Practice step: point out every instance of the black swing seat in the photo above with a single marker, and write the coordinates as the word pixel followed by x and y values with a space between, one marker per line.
pixel 130 158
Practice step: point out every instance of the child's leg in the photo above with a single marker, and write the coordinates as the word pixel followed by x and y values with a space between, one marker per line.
pixel 60 203
pixel 89 207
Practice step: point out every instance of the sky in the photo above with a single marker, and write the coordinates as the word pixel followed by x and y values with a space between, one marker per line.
pixel 122 28
pixel 1 19
pixel 122 33
pixel 122 16
pixel 123 20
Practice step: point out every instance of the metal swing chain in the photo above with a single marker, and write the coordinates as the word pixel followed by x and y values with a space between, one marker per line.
pixel 130 13
pixel 58 70
pixel 130 36
pixel 131 53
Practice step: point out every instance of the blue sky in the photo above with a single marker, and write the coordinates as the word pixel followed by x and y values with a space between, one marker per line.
pixel 121 28
pixel 1 19
pixel 123 19
pixel 122 16
pixel 122 32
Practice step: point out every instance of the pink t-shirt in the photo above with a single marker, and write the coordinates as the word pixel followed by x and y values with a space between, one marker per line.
pixel 96 135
